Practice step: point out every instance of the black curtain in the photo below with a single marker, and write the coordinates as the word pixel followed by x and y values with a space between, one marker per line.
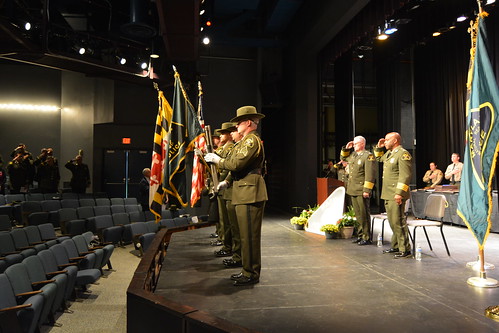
pixel 387 85
pixel 440 72
pixel 343 88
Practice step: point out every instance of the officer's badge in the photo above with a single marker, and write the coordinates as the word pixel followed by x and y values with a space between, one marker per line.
pixel 359 162
pixel 249 143
pixel 392 160
pixel 406 156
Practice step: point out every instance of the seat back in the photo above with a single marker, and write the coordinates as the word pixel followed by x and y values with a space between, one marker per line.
pixel 152 226
pixel 70 203
pixel 138 228
pixel 19 278
pixel 87 202
pixel 102 202
pixel 20 238
pixel 85 212
pixel 60 254
pixel 117 209
pixel 97 223
pixel 51 196
pixel 166 214
pixel 33 234
pixel 47 231
pixel 10 198
pixel 37 218
pixel 130 201
pixel 146 240
pixel 121 219
pixel 81 243
pixel 51 205
pixel 435 207
pixel 5 223
pixel 2 200
pixel 132 208
pixel 69 195
pixel 35 269
pixel 137 216
pixel 168 223
pixel 35 197
pixel 117 201
pixel 67 214
pixel 6 243
pixel 102 210
pixel 181 221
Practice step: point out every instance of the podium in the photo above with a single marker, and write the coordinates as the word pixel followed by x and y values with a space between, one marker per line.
pixel 326 186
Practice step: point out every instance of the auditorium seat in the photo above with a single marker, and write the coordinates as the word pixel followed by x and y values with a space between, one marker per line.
pixel 86 261
pixel 85 212
pixel 102 210
pixel 34 197
pixel 64 215
pixel 28 207
pixel 52 196
pixel 167 223
pixel 35 238
pixel 21 241
pixel 130 201
pixel 76 227
pixel 2 200
pixel 21 283
pixel 47 232
pixel 137 216
pixel 82 247
pixel 102 202
pixel 27 309
pixel 108 248
pixel 51 269
pixel 117 201
pixel 146 240
pixel 117 209
pixel 152 226
pixel 37 218
pixel 132 208
pixel 14 198
pixel 8 248
pixel 69 195
pixel 87 202
pixel 5 223
pixel 70 203
pixel 166 214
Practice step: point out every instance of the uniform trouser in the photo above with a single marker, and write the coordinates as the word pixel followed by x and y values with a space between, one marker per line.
pixel 234 226
pixel 213 213
pixel 398 223
pixel 363 215
pixel 225 232
pixel 249 218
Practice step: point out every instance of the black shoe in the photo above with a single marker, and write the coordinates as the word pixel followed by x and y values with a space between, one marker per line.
pixel 357 240
pixel 214 235
pixel 232 263
pixel 223 253
pixel 365 242
pixel 216 243
pixel 406 254
pixel 391 250
pixel 237 276
pixel 245 281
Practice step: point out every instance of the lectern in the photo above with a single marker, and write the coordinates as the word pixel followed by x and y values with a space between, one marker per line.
pixel 326 186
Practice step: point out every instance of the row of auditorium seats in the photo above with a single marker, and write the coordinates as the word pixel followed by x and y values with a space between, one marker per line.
pixel 11 198
pixel 40 285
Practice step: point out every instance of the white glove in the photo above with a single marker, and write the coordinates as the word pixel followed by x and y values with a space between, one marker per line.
pixel 212 157
pixel 198 152
pixel 222 185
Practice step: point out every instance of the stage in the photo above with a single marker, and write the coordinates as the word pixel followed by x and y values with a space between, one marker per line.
pixel 310 284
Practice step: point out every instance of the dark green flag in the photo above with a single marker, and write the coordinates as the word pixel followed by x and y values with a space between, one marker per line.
pixel 474 203
pixel 184 130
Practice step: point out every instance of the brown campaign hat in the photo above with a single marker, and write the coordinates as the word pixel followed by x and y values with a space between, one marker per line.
pixel 246 112
pixel 226 128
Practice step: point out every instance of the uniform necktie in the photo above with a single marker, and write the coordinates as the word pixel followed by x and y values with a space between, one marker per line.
pixel 452 177
pixel 431 181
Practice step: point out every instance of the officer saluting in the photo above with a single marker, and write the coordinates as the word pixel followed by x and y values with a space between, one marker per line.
pixel 249 191
pixel 397 172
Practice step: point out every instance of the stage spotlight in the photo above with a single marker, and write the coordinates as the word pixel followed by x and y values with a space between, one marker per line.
pixel 206 41
pixel 201 12
pixel 27 26
pixel 489 2
pixel 82 50
pixel 391 28
pixel 436 34
pixel 461 18
pixel 122 61
pixel 154 55
pixel 143 65
pixel 208 23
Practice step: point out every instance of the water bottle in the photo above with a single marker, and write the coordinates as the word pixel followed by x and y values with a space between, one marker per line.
pixel 380 241
pixel 418 252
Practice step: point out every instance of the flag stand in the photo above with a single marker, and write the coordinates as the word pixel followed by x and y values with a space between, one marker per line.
pixel 475 265
pixel 482 281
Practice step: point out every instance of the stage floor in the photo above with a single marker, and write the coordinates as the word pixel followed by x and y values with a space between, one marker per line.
pixel 312 284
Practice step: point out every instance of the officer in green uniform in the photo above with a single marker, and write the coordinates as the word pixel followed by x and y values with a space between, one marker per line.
pixel 249 194
pixel 360 184
pixel 225 232
pixel 397 172
pixel 236 260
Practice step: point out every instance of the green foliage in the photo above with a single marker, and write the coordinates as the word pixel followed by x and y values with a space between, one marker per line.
pixel 298 220
pixel 304 215
pixel 348 219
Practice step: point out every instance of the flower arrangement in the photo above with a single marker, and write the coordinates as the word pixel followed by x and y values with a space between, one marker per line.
pixel 305 214
pixel 330 228
pixel 348 219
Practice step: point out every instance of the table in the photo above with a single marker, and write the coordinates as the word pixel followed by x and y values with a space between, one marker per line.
pixel 418 200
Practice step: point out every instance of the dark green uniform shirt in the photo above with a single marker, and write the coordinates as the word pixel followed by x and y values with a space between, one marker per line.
pixel 362 171
pixel 397 172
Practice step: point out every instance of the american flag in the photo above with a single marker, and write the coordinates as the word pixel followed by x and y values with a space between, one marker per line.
pixel 198 168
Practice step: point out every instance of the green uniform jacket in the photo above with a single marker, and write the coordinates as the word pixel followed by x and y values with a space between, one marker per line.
pixel 397 172
pixel 223 152
pixel 362 171
pixel 245 164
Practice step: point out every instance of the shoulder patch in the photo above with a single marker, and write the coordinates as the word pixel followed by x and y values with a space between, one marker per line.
pixel 371 158
pixel 406 156
pixel 249 142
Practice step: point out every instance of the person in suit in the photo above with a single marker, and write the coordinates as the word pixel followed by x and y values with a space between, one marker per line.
pixel 250 193
pixel 433 177
pixel 360 184
pixel 144 189
pixel 397 173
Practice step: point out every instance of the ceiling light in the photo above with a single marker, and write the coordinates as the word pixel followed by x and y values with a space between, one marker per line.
pixel 143 65
pixel 201 12
pixel 382 37
pixel 27 26
pixel 208 23
pixel 436 34
pixel 81 50
pixel 154 56
pixel 122 61
pixel 202 28
pixel 489 2
pixel 206 41
pixel 461 18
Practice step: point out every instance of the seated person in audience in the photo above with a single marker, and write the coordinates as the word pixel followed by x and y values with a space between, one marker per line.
pixel 453 171
pixel 433 177
pixel 144 189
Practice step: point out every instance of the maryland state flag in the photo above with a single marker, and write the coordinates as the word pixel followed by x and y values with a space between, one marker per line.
pixel 198 168
pixel 159 156
pixel 474 204
pixel 184 131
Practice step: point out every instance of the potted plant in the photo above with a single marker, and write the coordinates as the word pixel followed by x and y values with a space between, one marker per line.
pixel 300 221
pixel 347 223
pixel 330 230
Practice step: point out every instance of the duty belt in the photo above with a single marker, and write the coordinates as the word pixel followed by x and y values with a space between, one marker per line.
pixel 252 172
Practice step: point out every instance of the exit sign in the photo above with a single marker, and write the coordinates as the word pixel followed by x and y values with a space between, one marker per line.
pixel 126 141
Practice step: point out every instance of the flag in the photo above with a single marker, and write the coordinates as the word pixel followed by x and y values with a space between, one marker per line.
pixel 198 168
pixel 159 156
pixel 184 131
pixel 474 204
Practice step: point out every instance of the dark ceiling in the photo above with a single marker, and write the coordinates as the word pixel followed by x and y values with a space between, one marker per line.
pixel 133 29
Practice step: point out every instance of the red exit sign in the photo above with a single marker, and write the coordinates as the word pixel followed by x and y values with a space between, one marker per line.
pixel 126 141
